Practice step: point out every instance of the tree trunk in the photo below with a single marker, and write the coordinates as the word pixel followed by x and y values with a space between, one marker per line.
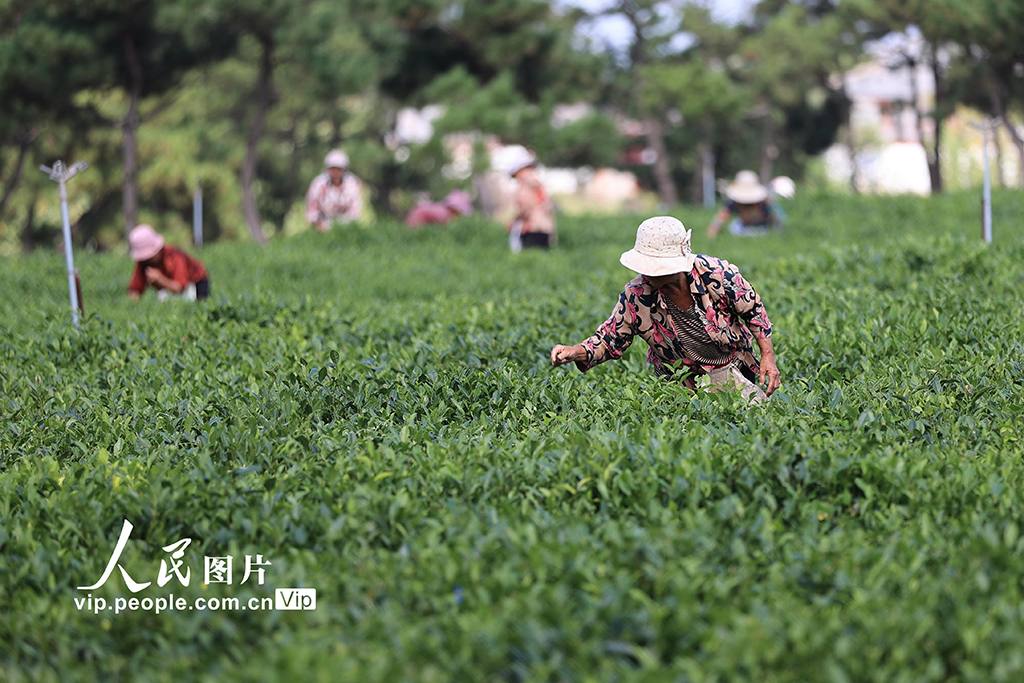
pixel 934 177
pixel 935 155
pixel 851 151
pixel 28 242
pixel 638 57
pixel 12 183
pixel 697 185
pixel 1018 142
pixel 264 99
pixel 849 141
pixel 1001 115
pixel 294 161
pixel 1000 177
pixel 130 190
pixel 662 169
pixel 769 152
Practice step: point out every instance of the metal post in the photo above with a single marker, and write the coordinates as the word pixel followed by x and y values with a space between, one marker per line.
pixel 986 192
pixel 986 200
pixel 61 174
pixel 197 216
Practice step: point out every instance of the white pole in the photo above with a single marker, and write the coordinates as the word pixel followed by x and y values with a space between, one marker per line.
pixel 986 199
pixel 69 257
pixel 61 174
pixel 197 216
pixel 986 191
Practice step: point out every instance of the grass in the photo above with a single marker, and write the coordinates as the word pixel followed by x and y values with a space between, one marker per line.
pixel 373 412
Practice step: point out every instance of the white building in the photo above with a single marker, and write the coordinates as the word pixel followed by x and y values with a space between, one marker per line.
pixel 887 149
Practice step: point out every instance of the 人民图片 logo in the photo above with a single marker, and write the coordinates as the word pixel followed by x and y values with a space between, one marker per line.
pixel 216 570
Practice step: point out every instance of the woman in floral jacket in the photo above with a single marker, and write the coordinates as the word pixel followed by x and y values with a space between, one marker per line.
pixel 696 313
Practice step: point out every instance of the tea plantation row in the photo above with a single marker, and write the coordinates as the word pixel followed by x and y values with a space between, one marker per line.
pixel 373 412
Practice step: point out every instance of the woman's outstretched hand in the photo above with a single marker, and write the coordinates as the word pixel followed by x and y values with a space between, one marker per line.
pixel 769 374
pixel 560 355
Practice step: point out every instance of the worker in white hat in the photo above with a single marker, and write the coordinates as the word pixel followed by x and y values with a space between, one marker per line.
pixel 534 222
pixel 750 205
pixel 334 196
pixel 698 315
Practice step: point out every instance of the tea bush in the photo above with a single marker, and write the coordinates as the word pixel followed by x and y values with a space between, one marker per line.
pixel 372 410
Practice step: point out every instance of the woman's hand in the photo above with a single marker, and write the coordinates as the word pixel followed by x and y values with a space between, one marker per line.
pixel 161 281
pixel 154 276
pixel 560 355
pixel 768 368
pixel 771 371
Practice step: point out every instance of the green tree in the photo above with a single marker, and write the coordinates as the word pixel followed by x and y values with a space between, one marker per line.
pixel 994 47
pixel 41 69
pixel 139 54
pixel 653 24
pixel 787 64
pixel 943 24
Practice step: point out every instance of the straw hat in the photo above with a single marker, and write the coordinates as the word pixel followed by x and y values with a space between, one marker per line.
pixel 144 243
pixel 746 189
pixel 662 248
pixel 336 159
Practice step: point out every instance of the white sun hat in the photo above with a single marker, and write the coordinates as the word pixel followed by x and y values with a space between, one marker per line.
pixel 662 248
pixel 746 189
pixel 336 159
pixel 519 159
pixel 784 186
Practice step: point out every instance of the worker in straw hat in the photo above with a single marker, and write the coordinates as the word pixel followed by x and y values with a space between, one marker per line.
pixel 697 314
pixel 750 205
pixel 334 196
pixel 164 268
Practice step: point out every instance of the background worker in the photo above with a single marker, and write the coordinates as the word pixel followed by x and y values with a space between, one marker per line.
pixel 534 223
pixel 166 269
pixel 457 203
pixel 334 196
pixel 750 205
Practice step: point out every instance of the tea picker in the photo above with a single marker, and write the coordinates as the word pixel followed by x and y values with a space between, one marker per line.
pixel 61 174
pixel 697 313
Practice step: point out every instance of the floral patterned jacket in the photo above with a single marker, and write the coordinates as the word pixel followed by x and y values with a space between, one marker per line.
pixel 733 311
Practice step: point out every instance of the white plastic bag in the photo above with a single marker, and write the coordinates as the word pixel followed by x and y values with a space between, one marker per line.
pixel 515 241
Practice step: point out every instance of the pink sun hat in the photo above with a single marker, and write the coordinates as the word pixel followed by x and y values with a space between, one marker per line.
pixel 144 242
pixel 459 200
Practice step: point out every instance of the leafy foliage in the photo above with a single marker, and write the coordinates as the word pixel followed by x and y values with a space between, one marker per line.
pixel 372 410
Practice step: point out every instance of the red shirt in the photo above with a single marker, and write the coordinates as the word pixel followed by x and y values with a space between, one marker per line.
pixel 177 265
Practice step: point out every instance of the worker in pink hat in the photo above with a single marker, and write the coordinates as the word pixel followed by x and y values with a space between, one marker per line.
pixel 166 269
pixel 334 196
pixel 457 203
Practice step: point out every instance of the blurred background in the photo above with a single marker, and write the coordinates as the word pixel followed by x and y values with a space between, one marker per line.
pixel 628 105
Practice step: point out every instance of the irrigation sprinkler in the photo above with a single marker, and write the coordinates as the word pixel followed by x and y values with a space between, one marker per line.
pixel 61 174
pixel 986 192
pixel 197 215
